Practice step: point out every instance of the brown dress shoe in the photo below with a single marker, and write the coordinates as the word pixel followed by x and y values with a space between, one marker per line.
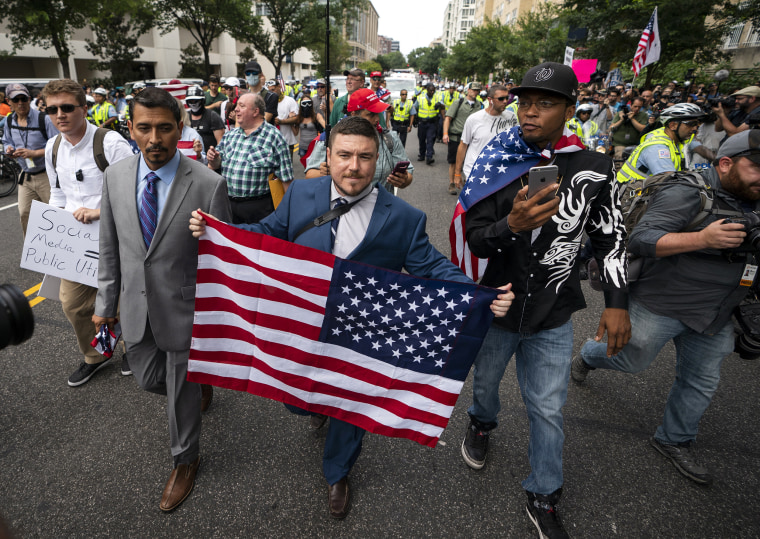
pixel 339 498
pixel 179 486
pixel 207 395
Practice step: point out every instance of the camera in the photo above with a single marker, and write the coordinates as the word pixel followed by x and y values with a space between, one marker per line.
pixel 16 317
pixel 624 109
pixel 747 317
pixel 727 102
pixel 751 222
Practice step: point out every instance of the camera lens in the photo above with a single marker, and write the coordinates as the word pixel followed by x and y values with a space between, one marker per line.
pixel 747 346
pixel 16 317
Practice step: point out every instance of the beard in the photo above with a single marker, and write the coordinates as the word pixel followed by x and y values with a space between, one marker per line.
pixel 734 185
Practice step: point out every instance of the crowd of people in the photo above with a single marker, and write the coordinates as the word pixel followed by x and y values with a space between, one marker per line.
pixel 228 150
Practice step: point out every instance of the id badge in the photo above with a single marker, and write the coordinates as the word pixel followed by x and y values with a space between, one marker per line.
pixel 748 275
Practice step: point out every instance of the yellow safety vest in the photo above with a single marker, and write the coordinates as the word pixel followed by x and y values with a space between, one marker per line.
pixel 401 110
pixel 314 92
pixel 426 107
pixel 513 106
pixel 575 126
pixel 100 114
pixel 449 98
pixel 630 172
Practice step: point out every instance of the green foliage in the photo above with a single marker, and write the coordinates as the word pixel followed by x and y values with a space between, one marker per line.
pixel 246 55
pixel 191 63
pixel 45 23
pixel 369 66
pixel 205 20
pixel 117 28
pixel 478 54
pixel 393 60
pixel 427 59
pixel 687 30
pixel 340 51
pixel 294 24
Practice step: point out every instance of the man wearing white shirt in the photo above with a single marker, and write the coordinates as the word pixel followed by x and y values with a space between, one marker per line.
pixel 76 184
pixel 287 115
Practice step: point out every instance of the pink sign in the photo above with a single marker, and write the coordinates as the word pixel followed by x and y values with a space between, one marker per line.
pixel 583 69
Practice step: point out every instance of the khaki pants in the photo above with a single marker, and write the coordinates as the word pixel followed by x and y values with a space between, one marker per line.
pixel 78 301
pixel 35 187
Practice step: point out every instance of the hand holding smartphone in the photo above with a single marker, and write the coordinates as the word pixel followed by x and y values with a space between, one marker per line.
pixel 541 177
pixel 400 167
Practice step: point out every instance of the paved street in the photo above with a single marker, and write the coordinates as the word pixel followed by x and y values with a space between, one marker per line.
pixel 92 461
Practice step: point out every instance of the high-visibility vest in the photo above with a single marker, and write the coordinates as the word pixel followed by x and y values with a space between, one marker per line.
pixel 630 172
pixel 574 125
pixel 449 98
pixel 513 107
pixel 401 110
pixel 100 114
pixel 426 107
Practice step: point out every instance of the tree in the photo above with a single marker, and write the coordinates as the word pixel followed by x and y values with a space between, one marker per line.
pixel 294 24
pixel 117 28
pixel 688 32
pixel 205 20
pixel 478 54
pixel 427 59
pixel 191 63
pixel 45 23
pixel 392 60
pixel 340 52
pixel 369 66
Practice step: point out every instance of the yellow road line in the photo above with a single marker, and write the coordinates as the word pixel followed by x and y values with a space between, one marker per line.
pixel 32 290
pixel 35 301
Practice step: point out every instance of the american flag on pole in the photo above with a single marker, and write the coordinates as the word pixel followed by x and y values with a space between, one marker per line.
pixel 281 81
pixel 502 161
pixel 382 350
pixel 648 51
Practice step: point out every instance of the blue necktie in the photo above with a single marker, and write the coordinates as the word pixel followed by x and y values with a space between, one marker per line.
pixel 335 222
pixel 149 209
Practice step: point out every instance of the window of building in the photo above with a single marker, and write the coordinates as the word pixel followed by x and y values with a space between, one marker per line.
pixel 732 39
pixel 262 10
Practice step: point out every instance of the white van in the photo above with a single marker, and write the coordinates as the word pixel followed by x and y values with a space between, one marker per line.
pixel 396 83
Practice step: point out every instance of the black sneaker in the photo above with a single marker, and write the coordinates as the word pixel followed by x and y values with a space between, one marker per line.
pixel 85 371
pixel 475 447
pixel 420 158
pixel 430 161
pixel 125 370
pixel 579 369
pixel 542 511
pixel 684 458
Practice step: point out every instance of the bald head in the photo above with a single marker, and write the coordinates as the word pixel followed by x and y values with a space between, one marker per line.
pixel 249 110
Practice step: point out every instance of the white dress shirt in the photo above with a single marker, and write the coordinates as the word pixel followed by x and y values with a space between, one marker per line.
pixel 353 225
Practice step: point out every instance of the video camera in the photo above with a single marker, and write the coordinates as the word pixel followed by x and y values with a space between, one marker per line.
pixel 16 316
pixel 728 102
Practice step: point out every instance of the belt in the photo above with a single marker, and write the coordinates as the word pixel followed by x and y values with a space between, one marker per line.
pixel 247 199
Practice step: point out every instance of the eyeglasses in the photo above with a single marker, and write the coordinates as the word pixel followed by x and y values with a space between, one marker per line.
pixel 377 78
pixel 20 99
pixel 540 105
pixel 66 109
pixel 502 99
pixel 252 73
pixel 321 86
pixel 692 123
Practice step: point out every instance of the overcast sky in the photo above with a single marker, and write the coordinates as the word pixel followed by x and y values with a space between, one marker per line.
pixel 413 23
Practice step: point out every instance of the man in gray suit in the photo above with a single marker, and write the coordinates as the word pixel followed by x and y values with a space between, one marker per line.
pixel 150 259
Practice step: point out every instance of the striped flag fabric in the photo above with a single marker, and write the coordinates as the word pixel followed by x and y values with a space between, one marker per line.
pixel 382 350
pixel 502 161
pixel 281 82
pixel 648 51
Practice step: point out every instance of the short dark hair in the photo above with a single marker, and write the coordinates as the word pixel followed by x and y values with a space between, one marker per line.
pixel 354 125
pixel 638 98
pixel 154 97
pixel 213 78
pixel 497 88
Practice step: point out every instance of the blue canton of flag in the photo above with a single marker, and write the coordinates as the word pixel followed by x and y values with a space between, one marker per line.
pixel 502 161
pixel 405 321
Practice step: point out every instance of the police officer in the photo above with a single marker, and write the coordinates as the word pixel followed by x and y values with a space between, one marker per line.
pixel 401 119
pixel 103 113
pixel 426 110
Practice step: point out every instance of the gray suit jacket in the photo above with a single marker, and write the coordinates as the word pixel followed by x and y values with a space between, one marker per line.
pixel 156 284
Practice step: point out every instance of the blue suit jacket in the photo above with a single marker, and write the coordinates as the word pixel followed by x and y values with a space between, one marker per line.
pixel 395 239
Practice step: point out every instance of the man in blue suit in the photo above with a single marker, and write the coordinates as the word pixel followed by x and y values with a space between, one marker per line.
pixel 379 229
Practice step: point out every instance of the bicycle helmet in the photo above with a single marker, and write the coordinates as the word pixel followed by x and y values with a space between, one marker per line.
pixel 681 112
pixel 195 92
pixel 584 108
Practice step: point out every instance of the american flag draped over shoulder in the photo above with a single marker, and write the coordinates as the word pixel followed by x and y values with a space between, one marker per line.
pixel 382 350
pixel 648 51
pixel 502 161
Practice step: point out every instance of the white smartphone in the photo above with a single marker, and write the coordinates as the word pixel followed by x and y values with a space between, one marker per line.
pixel 539 178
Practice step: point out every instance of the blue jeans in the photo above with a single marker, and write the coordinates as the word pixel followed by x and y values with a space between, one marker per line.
pixel 542 361
pixel 698 360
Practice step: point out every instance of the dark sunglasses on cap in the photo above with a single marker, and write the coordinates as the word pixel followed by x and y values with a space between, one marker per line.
pixel 66 109
pixel 20 99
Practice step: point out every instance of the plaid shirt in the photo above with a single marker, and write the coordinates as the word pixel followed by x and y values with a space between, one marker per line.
pixel 247 160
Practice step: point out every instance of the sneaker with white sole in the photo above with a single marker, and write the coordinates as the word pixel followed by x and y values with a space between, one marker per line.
pixel 85 371
pixel 125 369
pixel 579 369
pixel 475 447
pixel 542 511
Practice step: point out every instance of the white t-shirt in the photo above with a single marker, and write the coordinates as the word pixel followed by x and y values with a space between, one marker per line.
pixel 284 108
pixel 478 131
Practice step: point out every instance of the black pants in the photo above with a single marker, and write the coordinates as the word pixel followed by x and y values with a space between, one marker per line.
pixel 426 135
pixel 252 210
pixel 402 130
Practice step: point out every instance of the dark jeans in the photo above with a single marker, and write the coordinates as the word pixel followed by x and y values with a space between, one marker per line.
pixel 251 210
pixel 401 129
pixel 426 135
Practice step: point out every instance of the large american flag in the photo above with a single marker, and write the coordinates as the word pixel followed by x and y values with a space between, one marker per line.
pixel 502 161
pixel 382 350
pixel 648 51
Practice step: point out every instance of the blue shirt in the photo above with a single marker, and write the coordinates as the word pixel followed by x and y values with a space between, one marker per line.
pixel 165 174
pixel 28 137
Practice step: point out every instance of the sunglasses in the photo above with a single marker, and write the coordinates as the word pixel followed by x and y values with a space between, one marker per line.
pixel 66 109
pixel 20 99
pixel 252 73
pixel 502 99
pixel 692 123
pixel 321 86
pixel 377 78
